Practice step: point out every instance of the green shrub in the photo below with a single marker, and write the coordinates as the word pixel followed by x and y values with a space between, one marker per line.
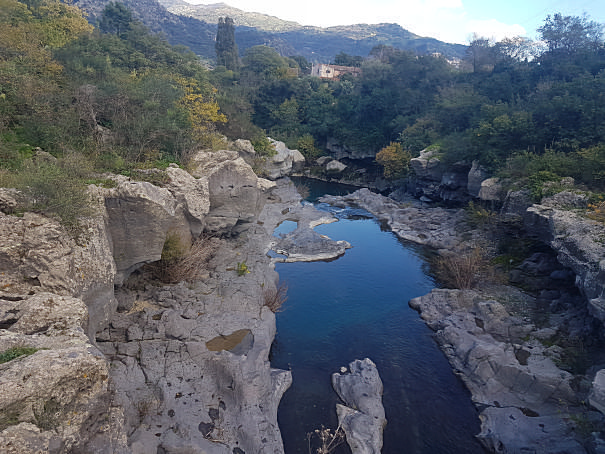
pixel 242 269
pixel 16 352
pixel 174 247
pixel 55 189
pixel 306 145
pixel 536 183
pixel 263 146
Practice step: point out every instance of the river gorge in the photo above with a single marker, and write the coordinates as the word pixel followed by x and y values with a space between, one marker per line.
pixel 356 307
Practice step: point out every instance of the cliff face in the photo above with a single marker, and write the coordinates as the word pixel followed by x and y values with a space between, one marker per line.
pixel 161 367
pixel 579 243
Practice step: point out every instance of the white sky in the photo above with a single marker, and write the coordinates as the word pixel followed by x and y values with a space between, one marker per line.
pixel 447 20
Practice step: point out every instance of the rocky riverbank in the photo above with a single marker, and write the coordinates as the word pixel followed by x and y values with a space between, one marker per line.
pixel 514 349
pixel 108 358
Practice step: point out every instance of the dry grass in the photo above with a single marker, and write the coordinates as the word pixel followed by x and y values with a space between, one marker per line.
pixel 275 297
pixel 596 212
pixel 461 269
pixel 183 262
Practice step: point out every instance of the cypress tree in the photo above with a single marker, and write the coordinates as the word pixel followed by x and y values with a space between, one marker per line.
pixel 226 49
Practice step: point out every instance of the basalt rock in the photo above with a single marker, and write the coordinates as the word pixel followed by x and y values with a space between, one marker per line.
pixel 578 243
pixel 512 377
pixel 435 227
pixel 362 415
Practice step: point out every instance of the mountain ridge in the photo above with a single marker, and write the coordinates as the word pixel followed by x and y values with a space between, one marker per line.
pixel 195 27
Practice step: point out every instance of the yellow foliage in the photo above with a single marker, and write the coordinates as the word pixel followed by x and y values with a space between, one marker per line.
pixel 202 111
pixel 395 160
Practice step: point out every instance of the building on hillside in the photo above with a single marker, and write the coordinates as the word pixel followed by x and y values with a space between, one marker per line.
pixel 333 71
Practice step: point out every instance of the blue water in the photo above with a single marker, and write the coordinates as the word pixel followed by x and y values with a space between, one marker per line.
pixel 356 307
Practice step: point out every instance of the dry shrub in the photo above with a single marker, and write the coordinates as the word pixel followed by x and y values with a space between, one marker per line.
pixel 596 211
pixel 461 269
pixel 275 297
pixel 183 262
pixel 328 440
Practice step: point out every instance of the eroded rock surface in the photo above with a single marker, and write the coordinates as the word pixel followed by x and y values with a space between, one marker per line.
pixel 579 243
pixel 511 375
pixel 434 227
pixel 178 368
pixel 362 415
pixel 53 398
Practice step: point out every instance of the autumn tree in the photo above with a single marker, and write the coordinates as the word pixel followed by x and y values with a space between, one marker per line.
pixel 394 160
pixel 202 111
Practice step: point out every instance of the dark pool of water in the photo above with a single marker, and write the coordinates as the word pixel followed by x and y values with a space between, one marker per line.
pixel 356 307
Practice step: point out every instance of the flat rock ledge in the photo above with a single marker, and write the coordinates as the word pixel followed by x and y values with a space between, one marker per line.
pixel 303 244
pixel 362 415
pixel 526 403
pixel 433 227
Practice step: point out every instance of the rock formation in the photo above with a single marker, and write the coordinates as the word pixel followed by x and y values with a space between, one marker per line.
pixel 511 375
pixel 434 227
pixel 578 242
pixel 362 415
pixel 152 367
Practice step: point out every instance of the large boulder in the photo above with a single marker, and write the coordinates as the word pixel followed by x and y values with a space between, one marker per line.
pixel 233 189
pixel 38 254
pixel 54 395
pixel 490 190
pixel 335 166
pixel 139 218
pixel 192 194
pixel 597 392
pixel 362 415
pixel 283 163
pixel 476 176
pixel 428 166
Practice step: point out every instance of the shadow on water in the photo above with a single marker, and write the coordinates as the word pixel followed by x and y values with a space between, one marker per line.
pixel 356 307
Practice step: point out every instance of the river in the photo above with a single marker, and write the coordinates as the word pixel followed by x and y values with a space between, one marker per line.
pixel 357 307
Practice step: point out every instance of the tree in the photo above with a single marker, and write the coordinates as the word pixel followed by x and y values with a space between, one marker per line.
pixel 116 19
pixel 266 62
pixel 480 54
pixel 226 48
pixel 303 64
pixel 202 111
pixel 570 34
pixel 395 160
pixel 345 59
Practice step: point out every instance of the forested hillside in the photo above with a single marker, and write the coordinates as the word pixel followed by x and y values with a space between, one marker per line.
pixel 520 108
pixel 195 27
pixel 120 98
pixel 116 99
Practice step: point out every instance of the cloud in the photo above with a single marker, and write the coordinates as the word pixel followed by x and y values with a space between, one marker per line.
pixel 494 29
